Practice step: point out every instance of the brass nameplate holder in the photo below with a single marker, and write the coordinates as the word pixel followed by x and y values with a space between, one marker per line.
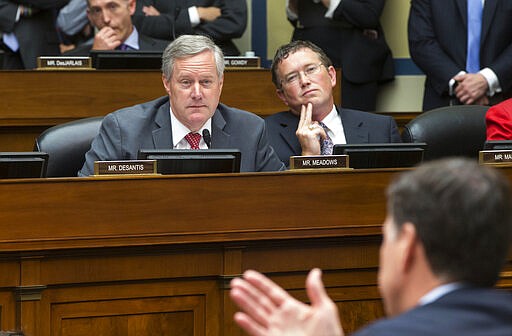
pixel 242 62
pixel 125 167
pixel 496 157
pixel 64 63
pixel 319 162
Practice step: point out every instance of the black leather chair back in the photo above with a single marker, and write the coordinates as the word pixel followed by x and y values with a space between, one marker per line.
pixel 66 145
pixel 449 131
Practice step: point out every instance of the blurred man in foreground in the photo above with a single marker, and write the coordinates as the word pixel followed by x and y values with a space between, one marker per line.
pixel 446 238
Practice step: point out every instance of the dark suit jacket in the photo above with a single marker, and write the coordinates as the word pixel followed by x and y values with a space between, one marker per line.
pixel 174 21
pixel 359 127
pixel 438 43
pixel 145 44
pixel 36 35
pixel 468 312
pixel 362 58
pixel 148 126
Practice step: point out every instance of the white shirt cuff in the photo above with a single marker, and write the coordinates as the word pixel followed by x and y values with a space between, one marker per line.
pixel 18 14
pixel 332 7
pixel 492 81
pixel 193 14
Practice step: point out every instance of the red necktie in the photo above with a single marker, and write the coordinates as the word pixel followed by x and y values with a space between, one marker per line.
pixel 193 139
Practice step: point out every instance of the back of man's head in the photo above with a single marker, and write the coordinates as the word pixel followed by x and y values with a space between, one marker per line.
pixel 461 212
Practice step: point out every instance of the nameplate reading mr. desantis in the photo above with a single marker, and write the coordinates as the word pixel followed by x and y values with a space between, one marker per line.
pixel 125 167
pixel 319 161
pixel 496 157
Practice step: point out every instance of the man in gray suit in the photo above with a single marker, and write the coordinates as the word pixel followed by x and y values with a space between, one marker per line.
pixel 446 238
pixel 304 78
pixel 193 68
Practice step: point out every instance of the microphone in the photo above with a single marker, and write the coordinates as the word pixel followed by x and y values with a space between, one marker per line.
pixel 207 138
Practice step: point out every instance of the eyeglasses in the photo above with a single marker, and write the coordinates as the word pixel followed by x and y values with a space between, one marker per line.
pixel 309 70
pixel 112 8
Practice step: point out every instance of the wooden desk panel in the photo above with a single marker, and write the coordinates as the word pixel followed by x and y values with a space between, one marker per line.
pixel 114 256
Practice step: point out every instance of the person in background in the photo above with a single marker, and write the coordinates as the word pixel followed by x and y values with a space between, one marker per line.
pixel 221 20
pixel 115 31
pixel 27 30
pixel 73 25
pixel 446 237
pixel 304 78
pixel 498 120
pixel 350 33
pixel 465 49
pixel 193 76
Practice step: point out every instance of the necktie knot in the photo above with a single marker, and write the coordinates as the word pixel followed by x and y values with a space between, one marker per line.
pixel 193 139
pixel 123 47
pixel 326 144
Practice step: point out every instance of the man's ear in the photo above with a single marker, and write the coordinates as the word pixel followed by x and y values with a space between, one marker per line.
pixel 408 240
pixel 167 84
pixel 281 96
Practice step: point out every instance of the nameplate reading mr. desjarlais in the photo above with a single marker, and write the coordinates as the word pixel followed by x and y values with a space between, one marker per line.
pixel 496 157
pixel 125 167
pixel 63 63
pixel 319 161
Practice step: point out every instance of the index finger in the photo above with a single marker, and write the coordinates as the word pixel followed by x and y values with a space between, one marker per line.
pixel 267 287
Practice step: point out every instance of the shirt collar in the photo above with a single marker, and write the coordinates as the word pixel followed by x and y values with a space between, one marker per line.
pixel 335 126
pixel 133 40
pixel 438 292
pixel 179 130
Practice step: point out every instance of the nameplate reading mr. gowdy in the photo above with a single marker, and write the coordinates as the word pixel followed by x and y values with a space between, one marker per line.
pixel 496 157
pixel 319 161
pixel 125 167
pixel 242 62
pixel 63 63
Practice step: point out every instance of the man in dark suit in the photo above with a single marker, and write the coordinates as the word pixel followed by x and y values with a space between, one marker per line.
pixel 221 20
pixel 112 19
pixel 350 33
pixel 446 238
pixel 304 78
pixel 28 31
pixel 193 68
pixel 438 43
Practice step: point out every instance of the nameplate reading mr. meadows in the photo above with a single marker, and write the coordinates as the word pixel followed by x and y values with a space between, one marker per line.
pixel 500 157
pixel 242 62
pixel 319 161
pixel 126 167
pixel 63 63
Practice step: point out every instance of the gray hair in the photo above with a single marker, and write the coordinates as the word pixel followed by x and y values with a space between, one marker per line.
pixel 187 46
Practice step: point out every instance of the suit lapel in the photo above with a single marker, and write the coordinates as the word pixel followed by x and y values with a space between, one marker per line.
pixel 220 138
pixel 287 132
pixel 353 127
pixel 162 134
pixel 462 6
pixel 487 18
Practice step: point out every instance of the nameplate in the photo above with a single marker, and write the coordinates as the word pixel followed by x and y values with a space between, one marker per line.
pixel 496 157
pixel 125 167
pixel 63 63
pixel 242 62
pixel 319 161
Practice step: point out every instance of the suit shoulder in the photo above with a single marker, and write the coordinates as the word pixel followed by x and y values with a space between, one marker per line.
pixel 349 113
pixel 139 111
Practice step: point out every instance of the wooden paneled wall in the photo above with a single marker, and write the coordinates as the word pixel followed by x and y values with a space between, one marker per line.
pixel 130 256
